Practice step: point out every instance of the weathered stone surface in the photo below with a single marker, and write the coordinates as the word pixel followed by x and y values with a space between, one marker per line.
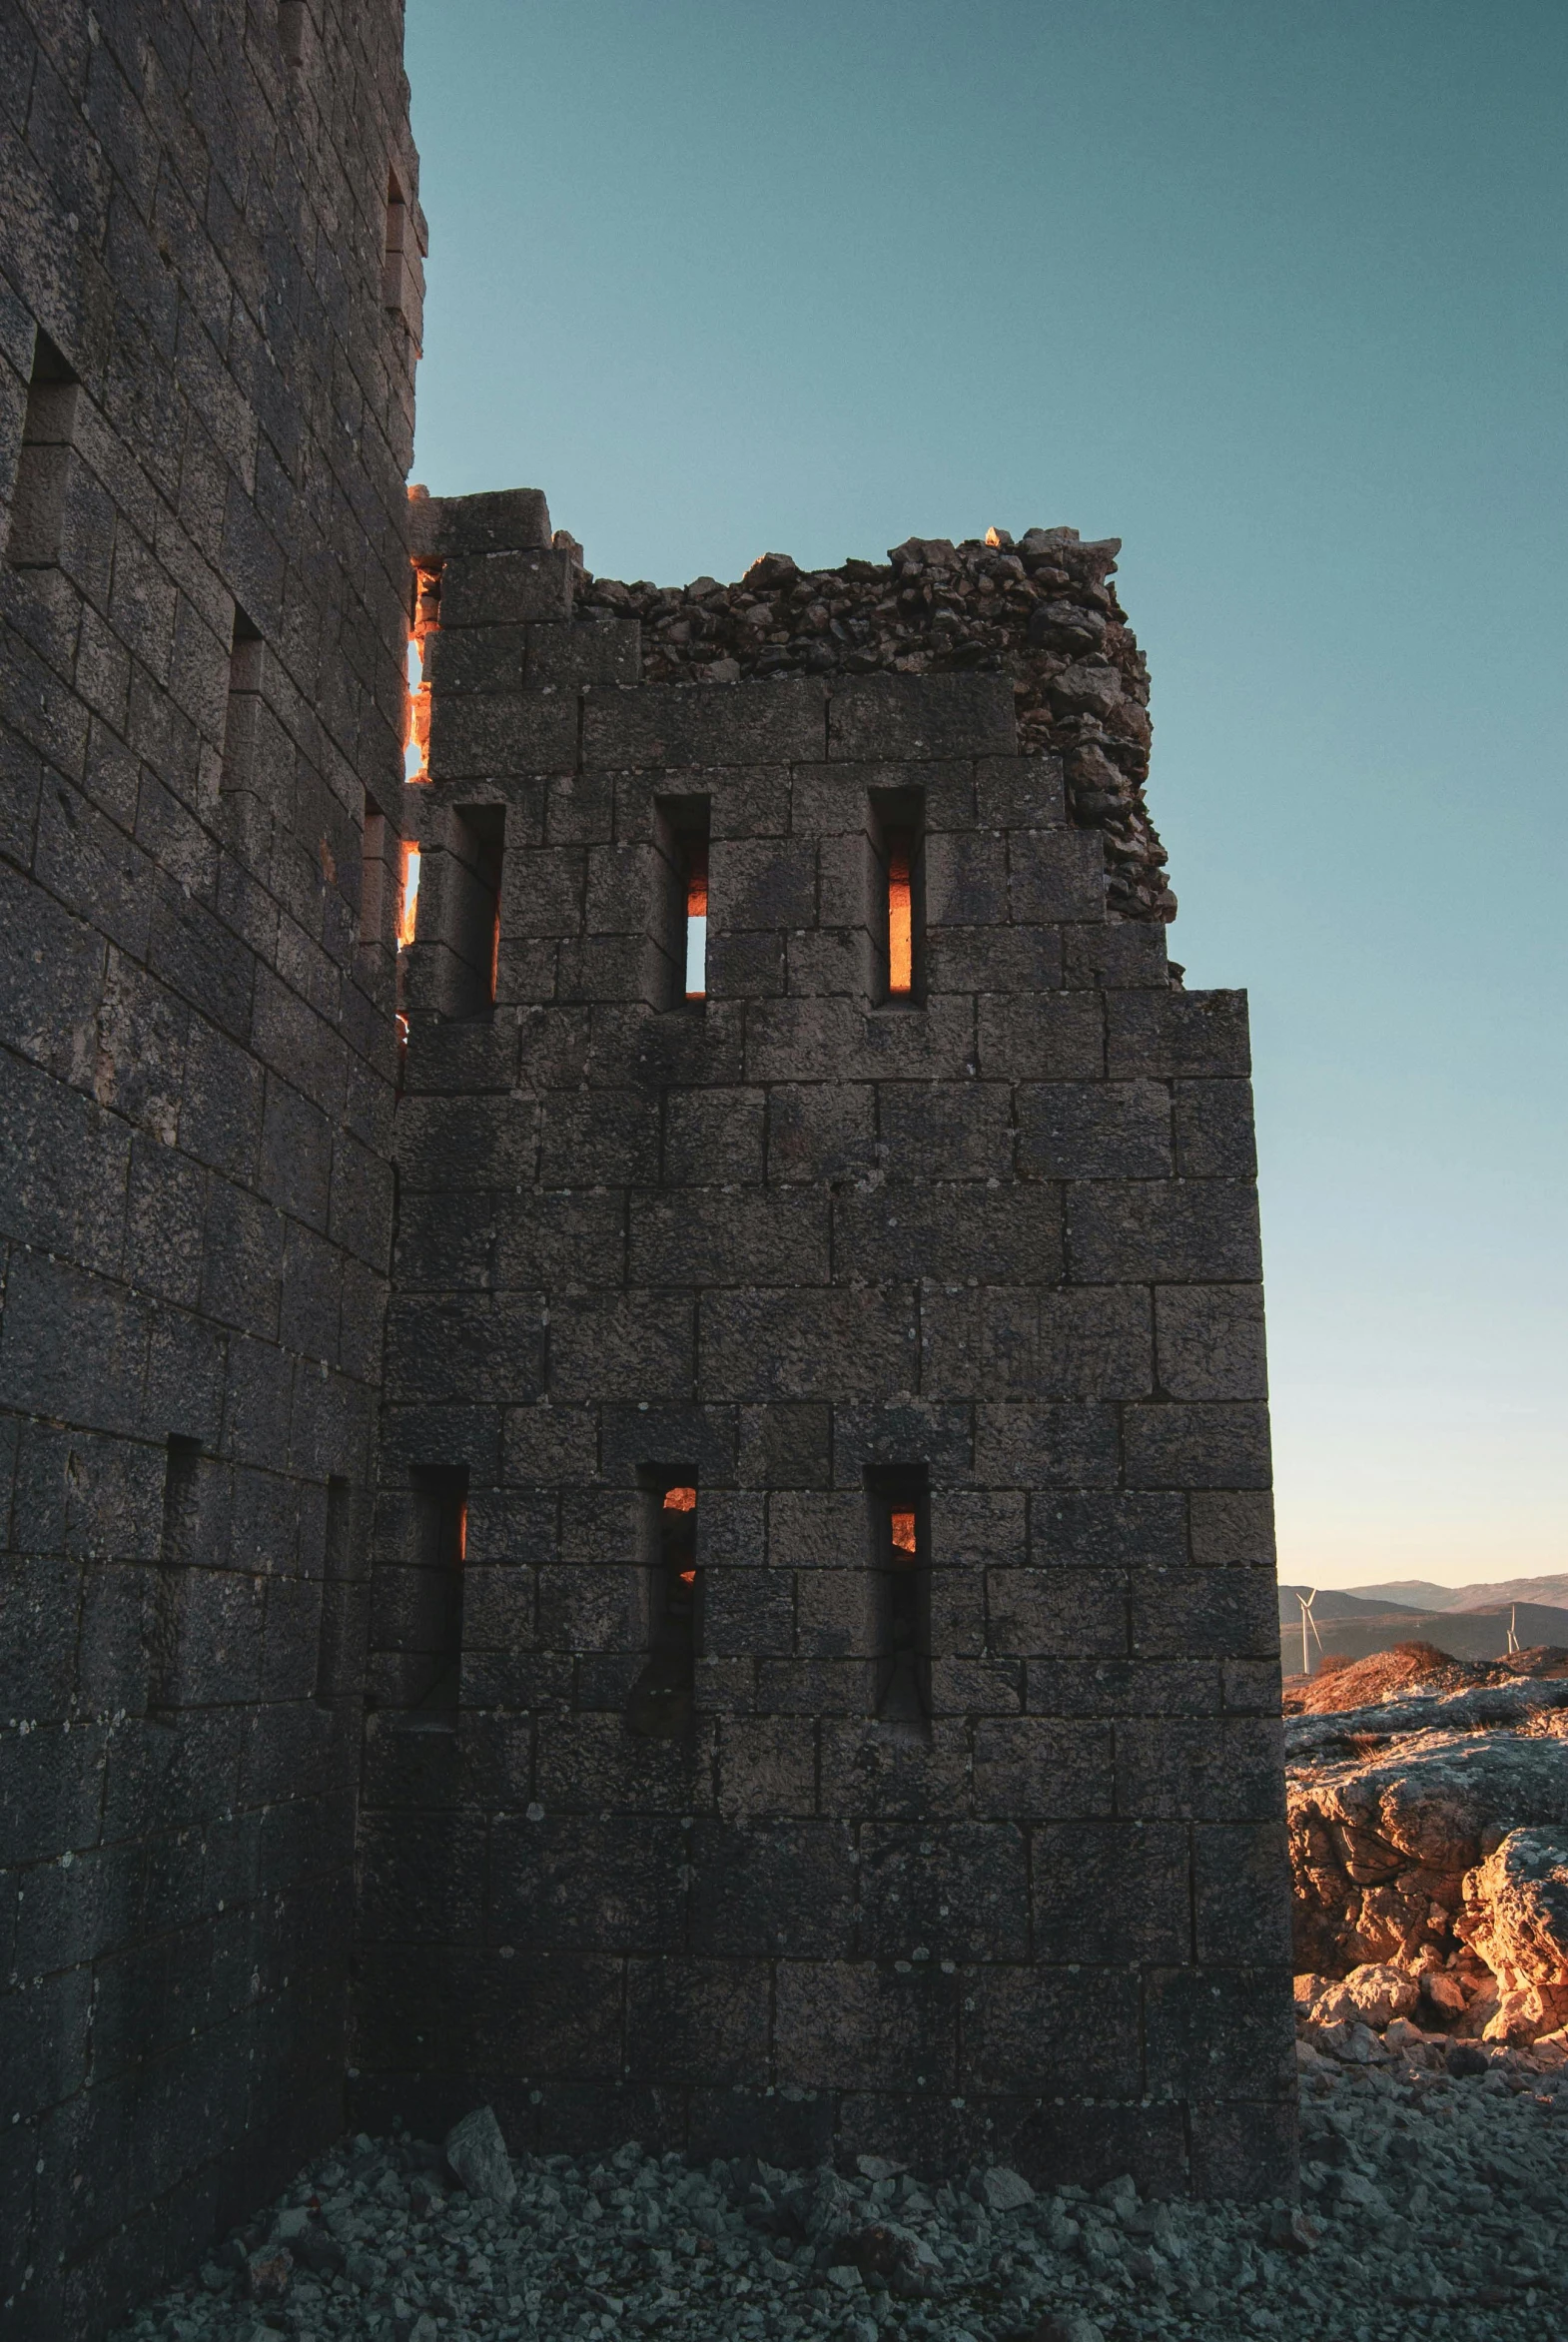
pixel 210 312
pixel 476 2151
pixel 1426 1840
pixel 684 1823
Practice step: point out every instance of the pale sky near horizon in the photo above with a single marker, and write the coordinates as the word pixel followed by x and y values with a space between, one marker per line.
pixel 1275 295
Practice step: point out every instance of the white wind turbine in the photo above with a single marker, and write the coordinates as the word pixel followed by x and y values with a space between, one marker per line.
pixel 1307 1620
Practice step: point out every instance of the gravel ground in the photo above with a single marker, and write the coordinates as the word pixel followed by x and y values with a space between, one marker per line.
pixel 1432 2206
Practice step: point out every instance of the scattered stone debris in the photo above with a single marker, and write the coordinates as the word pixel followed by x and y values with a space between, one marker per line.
pixel 1039 608
pixel 1433 2200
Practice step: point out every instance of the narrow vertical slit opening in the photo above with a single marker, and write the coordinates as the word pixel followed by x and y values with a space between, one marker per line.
pixel 176 1548
pixel 407 893
pixel 663 1702
pixel 679 929
pixel 424 621
pixel 901 943
pixel 471 905
pixel 696 921
pixel 294 32
pixel 331 1652
pixel 241 711
pixel 901 1562
pixel 898 891
pixel 373 840
pixel 432 1624
pixel 38 499
pixel 395 229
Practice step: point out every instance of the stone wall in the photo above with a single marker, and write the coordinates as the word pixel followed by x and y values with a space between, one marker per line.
pixel 973 1842
pixel 1039 608
pixel 209 317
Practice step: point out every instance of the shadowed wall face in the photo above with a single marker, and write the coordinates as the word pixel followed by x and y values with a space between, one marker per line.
pixel 209 318
pixel 938 1807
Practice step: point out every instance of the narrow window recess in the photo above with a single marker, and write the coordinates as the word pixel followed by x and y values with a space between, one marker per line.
pixel 43 466
pixel 471 889
pixel 294 33
pixel 176 1550
pixel 397 229
pixel 408 894
pixel 433 1620
pixel 901 941
pixel 697 919
pixel 426 622
pixel 374 837
pixel 900 1536
pixel 678 937
pixel 898 911
pixel 242 714
pixel 661 1705
pixel 332 1653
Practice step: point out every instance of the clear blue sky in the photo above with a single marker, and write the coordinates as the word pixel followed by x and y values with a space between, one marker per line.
pixel 1275 295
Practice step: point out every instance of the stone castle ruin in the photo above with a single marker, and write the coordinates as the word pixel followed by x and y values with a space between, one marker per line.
pixel 631 1366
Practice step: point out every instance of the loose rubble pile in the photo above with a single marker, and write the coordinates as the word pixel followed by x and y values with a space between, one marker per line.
pixel 1432 2206
pixel 1041 609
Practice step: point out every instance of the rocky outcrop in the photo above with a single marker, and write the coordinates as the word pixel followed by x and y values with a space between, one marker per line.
pixel 1408 1668
pixel 1041 609
pixel 1515 1918
pixel 1429 1859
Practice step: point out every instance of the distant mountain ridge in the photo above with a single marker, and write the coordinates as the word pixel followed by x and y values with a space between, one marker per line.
pixel 1475 1622
pixel 1424 1594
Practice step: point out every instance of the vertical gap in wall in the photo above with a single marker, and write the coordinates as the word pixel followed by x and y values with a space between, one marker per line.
pixel 898 911
pixel 901 1564
pixel 43 466
pixel 471 907
pixel 294 33
pixel 242 715
pixel 679 934
pixel 696 919
pixel 177 1544
pixel 373 873
pixel 424 624
pixel 395 231
pixel 662 1701
pixel 434 1612
pixel 337 1567
pixel 901 942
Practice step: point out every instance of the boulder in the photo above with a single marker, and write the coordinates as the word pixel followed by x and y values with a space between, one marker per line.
pixel 1515 1917
pixel 477 2154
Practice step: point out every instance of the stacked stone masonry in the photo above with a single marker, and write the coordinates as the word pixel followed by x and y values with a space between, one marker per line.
pixel 209 317
pixel 769 1643
pixel 795 1247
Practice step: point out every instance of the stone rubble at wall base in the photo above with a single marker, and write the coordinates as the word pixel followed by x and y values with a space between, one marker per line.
pixel 1433 2206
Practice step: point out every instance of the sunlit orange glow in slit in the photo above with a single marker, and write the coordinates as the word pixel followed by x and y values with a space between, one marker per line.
pixel 901 937
pixel 427 618
pixel 408 896
pixel 902 1524
pixel 682 1500
pixel 462 1532
pixel 696 920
